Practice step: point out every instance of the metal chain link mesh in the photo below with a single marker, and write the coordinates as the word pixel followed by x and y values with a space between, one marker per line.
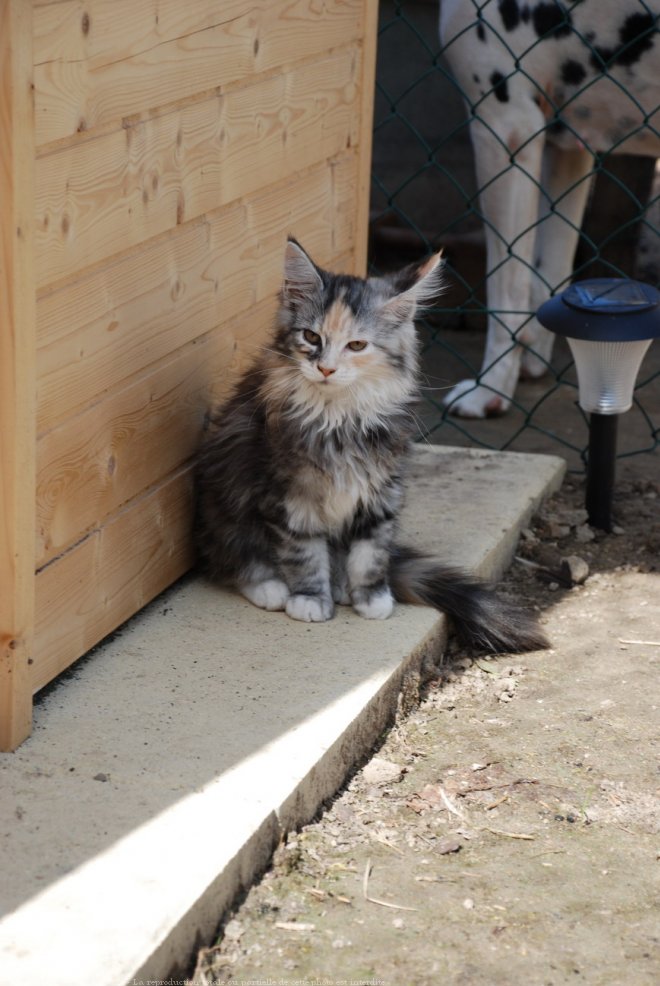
pixel 425 195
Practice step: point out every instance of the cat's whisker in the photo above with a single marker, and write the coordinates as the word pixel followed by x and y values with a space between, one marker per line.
pixel 277 352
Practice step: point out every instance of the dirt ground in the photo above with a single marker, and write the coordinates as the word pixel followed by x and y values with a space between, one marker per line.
pixel 507 830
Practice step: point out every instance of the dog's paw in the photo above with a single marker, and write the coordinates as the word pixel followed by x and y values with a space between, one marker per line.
pixel 310 609
pixel 468 399
pixel 271 594
pixel 535 362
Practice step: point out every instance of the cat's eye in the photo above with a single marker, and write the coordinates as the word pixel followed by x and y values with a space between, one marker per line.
pixel 357 345
pixel 313 338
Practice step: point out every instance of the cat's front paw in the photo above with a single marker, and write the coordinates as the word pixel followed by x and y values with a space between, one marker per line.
pixel 375 606
pixel 310 609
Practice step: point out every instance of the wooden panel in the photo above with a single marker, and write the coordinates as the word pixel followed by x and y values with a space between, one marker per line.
pixel 115 321
pixel 17 346
pixel 104 60
pixel 105 456
pixel 85 594
pixel 109 194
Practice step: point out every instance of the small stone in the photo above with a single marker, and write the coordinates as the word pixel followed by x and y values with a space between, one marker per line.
pixel 558 531
pixel 380 771
pixel 468 904
pixel 574 518
pixel 574 569
pixel 101 777
pixel 618 530
pixel 233 930
pixel 584 534
pixel 446 846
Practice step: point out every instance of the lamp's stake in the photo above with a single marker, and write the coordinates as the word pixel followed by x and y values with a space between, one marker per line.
pixel 600 469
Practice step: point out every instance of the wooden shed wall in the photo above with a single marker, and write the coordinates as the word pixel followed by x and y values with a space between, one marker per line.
pixel 173 146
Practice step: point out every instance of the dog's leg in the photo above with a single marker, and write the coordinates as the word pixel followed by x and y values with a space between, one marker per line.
pixel 508 145
pixel 565 191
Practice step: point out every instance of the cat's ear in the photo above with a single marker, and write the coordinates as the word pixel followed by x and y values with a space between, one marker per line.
pixel 413 287
pixel 302 279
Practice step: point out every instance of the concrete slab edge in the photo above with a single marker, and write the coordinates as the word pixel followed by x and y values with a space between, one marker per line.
pixel 201 921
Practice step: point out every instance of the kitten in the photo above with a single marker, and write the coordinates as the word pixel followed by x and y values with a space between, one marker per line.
pixel 301 480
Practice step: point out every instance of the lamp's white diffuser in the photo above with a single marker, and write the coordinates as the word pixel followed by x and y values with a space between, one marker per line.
pixel 607 372
pixel 609 323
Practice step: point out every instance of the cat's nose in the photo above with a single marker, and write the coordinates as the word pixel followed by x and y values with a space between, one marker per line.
pixel 326 370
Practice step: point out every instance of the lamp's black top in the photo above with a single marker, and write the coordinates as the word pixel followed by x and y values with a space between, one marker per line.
pixel 604 309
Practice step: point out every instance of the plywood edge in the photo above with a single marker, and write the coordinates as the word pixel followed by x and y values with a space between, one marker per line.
pixel 368 83
pixel 17 370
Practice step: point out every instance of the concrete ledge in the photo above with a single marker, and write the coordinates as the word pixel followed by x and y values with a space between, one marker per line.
pixel 164 768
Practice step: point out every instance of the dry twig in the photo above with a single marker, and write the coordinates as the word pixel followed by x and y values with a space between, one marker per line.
pixel 374 900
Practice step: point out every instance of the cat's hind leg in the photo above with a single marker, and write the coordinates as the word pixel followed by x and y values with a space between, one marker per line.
pixel 263 587
pixel 367 566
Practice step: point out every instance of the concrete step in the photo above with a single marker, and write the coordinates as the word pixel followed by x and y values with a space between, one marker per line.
pixel 165 766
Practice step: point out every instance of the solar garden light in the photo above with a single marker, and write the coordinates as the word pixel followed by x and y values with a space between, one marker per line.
pixel 609 323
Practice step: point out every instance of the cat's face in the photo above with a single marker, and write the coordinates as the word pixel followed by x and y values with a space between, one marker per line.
pixel 344 332
pixel 338 347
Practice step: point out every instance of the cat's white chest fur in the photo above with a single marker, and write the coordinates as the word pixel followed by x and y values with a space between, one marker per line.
pixel 324 502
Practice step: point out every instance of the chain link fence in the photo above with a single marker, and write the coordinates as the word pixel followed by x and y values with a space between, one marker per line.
pixel 425 194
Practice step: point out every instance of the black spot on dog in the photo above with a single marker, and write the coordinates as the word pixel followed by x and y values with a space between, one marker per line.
pixel 500 87
pixel 551 20
pixel 635 36
pixel 601 57
pixel 481 31
pixel 556 127
pixel 525 15
pixel 572 72
pixel 509 13
pixel 475 78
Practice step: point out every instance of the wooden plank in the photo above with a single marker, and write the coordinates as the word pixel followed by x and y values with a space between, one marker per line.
pixel 17 348
pixel 85 594
pixel 105 60
pixel 115 321
pixel 367 94
pixel 102 458
pixel 110 194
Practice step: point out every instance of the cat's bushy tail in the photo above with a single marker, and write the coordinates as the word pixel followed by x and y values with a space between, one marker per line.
pixel 482 620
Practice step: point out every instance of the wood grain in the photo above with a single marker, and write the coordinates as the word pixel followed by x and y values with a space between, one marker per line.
pixel 17 346
pixel 97 331
pixel 106 60
pixel 104 196
pixel 101 459
pixel 114 572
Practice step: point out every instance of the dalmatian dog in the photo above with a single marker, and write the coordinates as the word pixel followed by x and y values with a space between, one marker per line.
pixel 548 85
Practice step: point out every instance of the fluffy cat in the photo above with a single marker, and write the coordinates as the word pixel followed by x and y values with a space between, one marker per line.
pixel 301 479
